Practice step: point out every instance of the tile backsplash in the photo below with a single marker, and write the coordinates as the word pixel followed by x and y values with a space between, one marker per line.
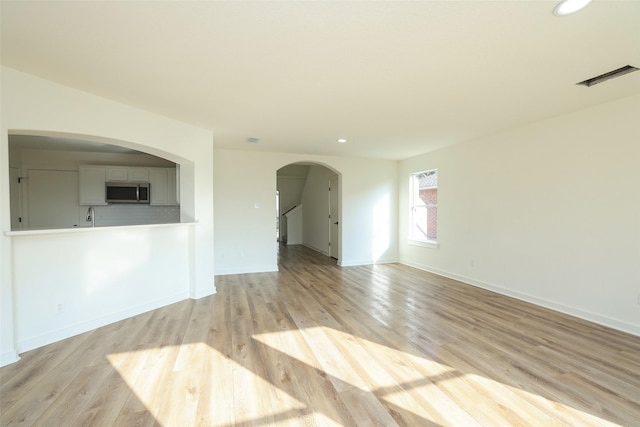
pixel 125 214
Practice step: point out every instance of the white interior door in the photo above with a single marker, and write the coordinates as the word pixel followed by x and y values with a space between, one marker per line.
pixel 52 199
pixel 334 221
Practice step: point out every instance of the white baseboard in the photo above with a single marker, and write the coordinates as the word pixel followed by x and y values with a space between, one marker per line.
pixel 353 263
pixel 8 358
pixel 572 311
pixel 201 293
pixel 61 334
pixel 326 253
pixel 244 270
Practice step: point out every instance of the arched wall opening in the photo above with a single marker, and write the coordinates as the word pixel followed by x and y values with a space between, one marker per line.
pixel 310 206
pixel 245 187
pixel 51 163
pixel 106 274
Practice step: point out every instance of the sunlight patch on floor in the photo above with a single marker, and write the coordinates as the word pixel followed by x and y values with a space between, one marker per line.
pixel 364 372
pixel 183 394
pixel 194 384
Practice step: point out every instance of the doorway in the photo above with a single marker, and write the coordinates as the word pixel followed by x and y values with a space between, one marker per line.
pixel 309 206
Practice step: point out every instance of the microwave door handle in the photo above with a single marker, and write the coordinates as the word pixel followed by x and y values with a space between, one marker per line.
pixel 138 192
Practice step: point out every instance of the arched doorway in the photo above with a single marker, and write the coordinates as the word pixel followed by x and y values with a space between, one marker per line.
pixel 309 207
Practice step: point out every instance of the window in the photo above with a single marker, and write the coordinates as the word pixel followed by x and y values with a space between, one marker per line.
pixel 424 206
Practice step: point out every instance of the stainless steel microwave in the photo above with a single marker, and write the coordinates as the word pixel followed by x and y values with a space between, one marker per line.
pixel 128 192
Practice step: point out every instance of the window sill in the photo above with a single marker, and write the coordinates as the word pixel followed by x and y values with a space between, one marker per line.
pixel 425 244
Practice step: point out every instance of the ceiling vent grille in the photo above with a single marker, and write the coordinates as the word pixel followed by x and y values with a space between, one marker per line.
pixel 608 76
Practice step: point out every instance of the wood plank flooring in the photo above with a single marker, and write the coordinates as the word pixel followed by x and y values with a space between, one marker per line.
pixel 320 345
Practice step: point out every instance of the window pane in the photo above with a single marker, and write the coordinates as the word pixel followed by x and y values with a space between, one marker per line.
pixel 432 223
pixel 419 228
pixel 424 206
pixel 428 179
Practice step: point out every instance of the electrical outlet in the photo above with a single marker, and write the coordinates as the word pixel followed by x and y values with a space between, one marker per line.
pixel 59 308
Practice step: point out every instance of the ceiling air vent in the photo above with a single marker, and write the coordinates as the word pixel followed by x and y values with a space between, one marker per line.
pixel 610 75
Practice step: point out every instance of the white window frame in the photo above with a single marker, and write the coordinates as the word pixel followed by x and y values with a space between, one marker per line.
pixel 418 204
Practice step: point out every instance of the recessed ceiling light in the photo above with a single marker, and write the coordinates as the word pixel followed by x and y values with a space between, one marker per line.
pixel 253 140
pixel 341 140
pixel 567 7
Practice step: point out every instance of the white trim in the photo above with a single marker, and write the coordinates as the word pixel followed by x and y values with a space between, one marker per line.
pixel 354 263
pixel 572 311
pixel 242 270
pixel 61 334
pixel 8 358
pixel 413 207
pixel 424 243
pixel 39 232
pixel 315 249
pixel 203 293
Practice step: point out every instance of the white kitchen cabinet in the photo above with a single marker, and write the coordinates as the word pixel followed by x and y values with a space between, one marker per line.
pixel 173 194
pixel 127 174
pixel 117 173
pixel 91 184
pixel 158 181
pixel 138 174
pixel 164 183
pixel 163 186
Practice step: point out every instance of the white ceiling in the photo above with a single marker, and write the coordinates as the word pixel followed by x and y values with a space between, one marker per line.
pixel 396 78
pixel 38 142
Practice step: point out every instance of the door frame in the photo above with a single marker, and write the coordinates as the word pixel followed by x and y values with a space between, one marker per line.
pixel 334 218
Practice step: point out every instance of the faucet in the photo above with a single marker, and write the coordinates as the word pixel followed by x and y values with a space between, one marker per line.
pixel 91 216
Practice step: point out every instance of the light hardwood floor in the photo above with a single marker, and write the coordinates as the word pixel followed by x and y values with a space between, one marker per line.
pixel 316 344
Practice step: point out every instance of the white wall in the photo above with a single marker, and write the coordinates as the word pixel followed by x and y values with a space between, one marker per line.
pixel 99 276
pixel 245 234
pixel 290 181
pixel 548 213
pixel 315 199
pixel 30 105
pixel 294 225
pixel 290 188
